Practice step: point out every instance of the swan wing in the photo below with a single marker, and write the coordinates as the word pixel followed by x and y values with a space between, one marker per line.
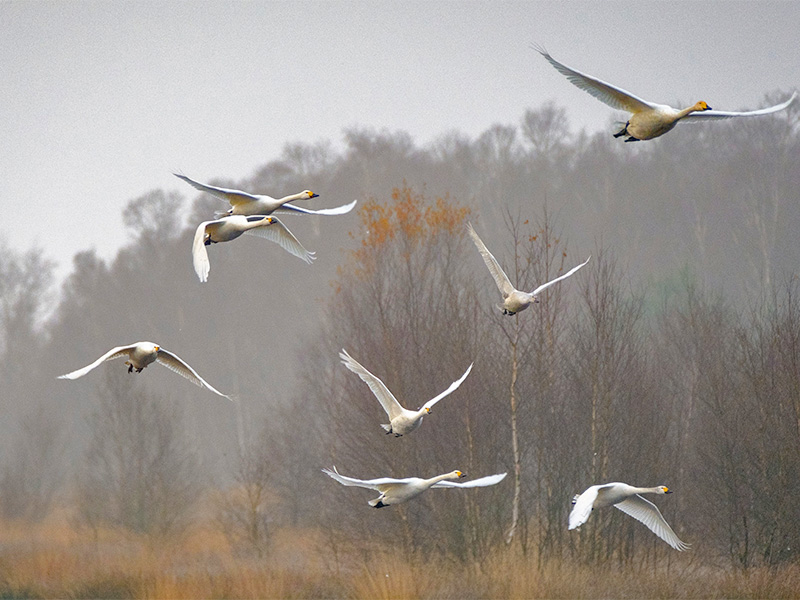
pixel 544 286
pixel 722 114
pixel 583 507
pixel 276 231
pixel 175 363
pixel 288 209
pixel 378 388
pixel 605 92
pixel 234 197
pixel 373 484
pixel 199 254
pixel 482 482
pixel 453 387
pixel 117 352
pixel 500 278
pixel 647 513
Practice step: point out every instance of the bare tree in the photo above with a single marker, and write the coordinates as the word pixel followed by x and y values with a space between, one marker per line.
pixel 139 471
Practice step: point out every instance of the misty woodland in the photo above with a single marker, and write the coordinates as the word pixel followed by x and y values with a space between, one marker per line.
pixel 671 359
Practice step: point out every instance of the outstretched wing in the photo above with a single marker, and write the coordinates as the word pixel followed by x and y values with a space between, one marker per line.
pixel 544 286
pixel 179 366
pixel 199 253
pixel 288 209
pixel 117 352
pixel 605 92
pixel 500 278
pixel 234 197
pixel 453 387
pixel 276 231
pixel 583 507
pixel 373 484
pixel 482 482
pixel 722 114
pixel 378 388
pixel 646 512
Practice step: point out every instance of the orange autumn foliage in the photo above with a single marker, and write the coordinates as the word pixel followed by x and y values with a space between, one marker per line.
pixel 409 219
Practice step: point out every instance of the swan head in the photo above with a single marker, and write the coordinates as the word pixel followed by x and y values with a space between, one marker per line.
pixel 309 194
pixel 664 489
pixel 427 410
pixel 700 106
pixel 458 475
pixel 156 348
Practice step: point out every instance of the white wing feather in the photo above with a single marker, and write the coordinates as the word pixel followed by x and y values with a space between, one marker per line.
pixel 179 366
pixel 583 507
pixel 544 286
pixel 288 209
pixel 500 278
pixel 117 352
pixel 232 196
pixel 605 92
pixel 378 388
pixel 453 387
pixel 199 253
pixel 278 232
pixel 722 114
pixel 366 483
pixel 482 482
pixel 647 513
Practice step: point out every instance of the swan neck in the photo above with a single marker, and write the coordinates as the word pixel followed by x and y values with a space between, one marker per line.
pixel 442 477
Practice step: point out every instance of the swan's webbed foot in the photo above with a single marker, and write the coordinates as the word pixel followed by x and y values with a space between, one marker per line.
pixel 130 368
pixel 139 370
pixel 398 435
pixel 380 504
pixel 633 139
pixel 623 131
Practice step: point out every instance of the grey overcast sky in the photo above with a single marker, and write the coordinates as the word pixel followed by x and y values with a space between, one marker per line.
pixel 101 101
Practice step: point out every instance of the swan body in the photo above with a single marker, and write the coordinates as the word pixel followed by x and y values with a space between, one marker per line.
pixel 142 354
pixel 648 120
pixel 401 420
pixel 230 228
pixel 246 204
pixel 395 491
pixel 628 499
pixel 514 300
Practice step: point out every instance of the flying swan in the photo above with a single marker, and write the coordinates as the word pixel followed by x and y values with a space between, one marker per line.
pixel 142 354
pixel 230 228
pixel 246 204
pixel 648 120
pixel 401 420
pixel 626 498
pixel 395 491
pixel 514 300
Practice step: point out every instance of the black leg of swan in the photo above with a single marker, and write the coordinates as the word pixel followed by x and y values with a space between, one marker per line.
pixel 623 131
pixel 398 435
pixel 380 504
pixel 633 139
pixel 130 368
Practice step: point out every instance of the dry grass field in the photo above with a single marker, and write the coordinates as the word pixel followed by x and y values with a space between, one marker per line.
pixel 57 560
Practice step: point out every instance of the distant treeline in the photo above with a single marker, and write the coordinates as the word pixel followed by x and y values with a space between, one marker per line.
pixel 672 358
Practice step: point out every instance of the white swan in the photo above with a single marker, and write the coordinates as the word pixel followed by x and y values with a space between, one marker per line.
pixel 514 300
pixel 648 120
pixel 401 420
pixel 142 354
pixel 394 491
pixel 626 498
pixel 246 204
pixel 230 228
